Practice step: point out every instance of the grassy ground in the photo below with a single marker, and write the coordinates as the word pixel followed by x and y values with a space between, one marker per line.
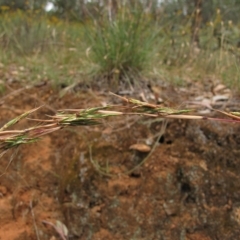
pixel 46 48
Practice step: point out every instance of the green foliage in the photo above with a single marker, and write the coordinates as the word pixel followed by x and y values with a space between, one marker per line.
pixel 121 47
pixel 24 33
pixel 46 47
pixel 136 39
pixel 21 4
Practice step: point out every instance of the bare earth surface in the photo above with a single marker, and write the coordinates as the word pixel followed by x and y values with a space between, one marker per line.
pixel 188 189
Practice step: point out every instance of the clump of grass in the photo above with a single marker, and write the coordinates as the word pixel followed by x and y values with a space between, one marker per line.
pixel 47 47
pixel 122 47
pixel 24 32
pixel 216 55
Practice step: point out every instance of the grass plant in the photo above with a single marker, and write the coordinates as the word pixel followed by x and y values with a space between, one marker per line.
pixel 121 47
pixel 131 46
pixel 12 139
pixel 93 116
pixel 48 48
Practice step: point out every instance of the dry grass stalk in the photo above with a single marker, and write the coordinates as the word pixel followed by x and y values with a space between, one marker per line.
pixel 93 116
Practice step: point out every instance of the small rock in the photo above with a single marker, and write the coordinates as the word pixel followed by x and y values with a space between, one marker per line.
pixel 141 147
pixel 149 141
pixel 171 208
pixel 203 165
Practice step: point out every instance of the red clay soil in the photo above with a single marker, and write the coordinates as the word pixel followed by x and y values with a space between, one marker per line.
pixel 189 188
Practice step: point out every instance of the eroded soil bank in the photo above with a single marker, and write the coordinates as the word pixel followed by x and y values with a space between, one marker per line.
pixel 189 188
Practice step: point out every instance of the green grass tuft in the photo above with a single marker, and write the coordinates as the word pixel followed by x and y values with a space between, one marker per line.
pixel 122 47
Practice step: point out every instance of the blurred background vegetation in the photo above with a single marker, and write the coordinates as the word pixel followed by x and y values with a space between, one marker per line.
pixel 121 41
